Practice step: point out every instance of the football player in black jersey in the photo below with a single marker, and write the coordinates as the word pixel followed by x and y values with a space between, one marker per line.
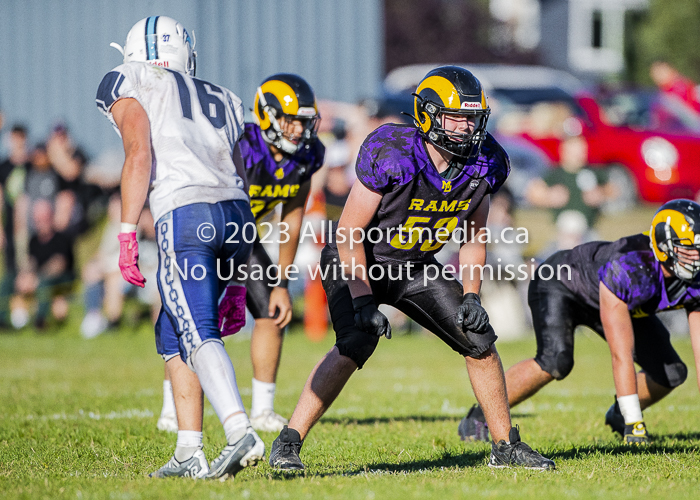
pixel 615 288
pixel 281 152
pixel 416 185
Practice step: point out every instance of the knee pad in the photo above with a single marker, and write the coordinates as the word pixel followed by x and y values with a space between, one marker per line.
pixel 676 373
pixel 357 346
pixel 558 365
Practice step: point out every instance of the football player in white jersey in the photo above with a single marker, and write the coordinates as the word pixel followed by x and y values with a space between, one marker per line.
pixel 180 137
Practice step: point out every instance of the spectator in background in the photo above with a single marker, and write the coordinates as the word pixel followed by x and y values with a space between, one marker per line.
pixel 42 179
pixel 498 293
pixel 50 272
pixel 13 173
pixel 574 186
pixel 670 81
pixel 105 289
pixel 337 183
pixel 572 230
pixel 73 195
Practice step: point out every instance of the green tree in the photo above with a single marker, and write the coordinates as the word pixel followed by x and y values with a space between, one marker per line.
pixel 668 30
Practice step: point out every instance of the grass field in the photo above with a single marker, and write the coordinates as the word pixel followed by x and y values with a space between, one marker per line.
pixel 77 420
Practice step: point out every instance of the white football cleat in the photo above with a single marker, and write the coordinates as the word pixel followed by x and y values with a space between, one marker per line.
pixel 167 422
pixel 195 467
pixel 268 421
pixel 246 452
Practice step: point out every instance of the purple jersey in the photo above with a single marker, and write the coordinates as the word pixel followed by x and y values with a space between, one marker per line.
pixel 271 183
pixel 627 267
pixel 394 162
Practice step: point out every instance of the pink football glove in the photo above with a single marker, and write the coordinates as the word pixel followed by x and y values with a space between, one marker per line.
pixel 232 310
pixel 129 259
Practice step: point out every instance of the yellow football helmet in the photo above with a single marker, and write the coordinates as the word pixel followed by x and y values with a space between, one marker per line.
pixel 289 96
pixel 677 226
pixel 451 90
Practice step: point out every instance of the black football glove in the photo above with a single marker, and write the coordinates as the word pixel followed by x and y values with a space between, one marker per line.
pixel 368 318
pixel 471 316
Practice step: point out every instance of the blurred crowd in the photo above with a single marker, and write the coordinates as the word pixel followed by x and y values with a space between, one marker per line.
pixel 60 215
pixel 52 198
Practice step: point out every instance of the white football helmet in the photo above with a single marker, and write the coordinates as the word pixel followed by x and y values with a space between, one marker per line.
pixel 161 41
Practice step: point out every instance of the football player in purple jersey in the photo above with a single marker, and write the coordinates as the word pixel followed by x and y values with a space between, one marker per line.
pixel 615 288
pixel 417 184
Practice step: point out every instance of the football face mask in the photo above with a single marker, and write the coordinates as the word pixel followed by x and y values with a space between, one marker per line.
pixel 675 238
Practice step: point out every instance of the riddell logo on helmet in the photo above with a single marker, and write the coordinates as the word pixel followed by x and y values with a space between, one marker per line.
pixel 162 64
pixel 306 112
pixel 471 105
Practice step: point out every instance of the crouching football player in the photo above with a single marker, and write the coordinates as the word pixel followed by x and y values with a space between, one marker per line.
pixel 427 181
pixel 615 288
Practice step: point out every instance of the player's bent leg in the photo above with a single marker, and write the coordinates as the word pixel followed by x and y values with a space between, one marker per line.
pixel 554 313
pixel 187 393
pixel 191 304
pixel 167 421
pixel 265 346
pixel 488 382
pixel 265 351
pixel 352 349
pixel 323 386
pixel 651 392
pixel 218 380
pixel 434 304
pixel 188 459
pixel 524 380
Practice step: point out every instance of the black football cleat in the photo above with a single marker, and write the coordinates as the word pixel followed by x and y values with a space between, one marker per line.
pixel 473 427
pixel 517 454
pixel 285 451
pixel 614 418
pixel 636 434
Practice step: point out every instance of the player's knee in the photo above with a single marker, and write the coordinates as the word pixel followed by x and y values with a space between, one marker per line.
pixel 676 373
pixel 558 365
pixel 357 346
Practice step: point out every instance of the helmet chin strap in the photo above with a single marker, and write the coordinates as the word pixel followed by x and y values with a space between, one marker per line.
pixel 683 272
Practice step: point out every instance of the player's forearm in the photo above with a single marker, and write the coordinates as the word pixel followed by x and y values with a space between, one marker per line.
pixel 619 333
pixel 240 166
pixel 136 176
pixel 624 374
pixel 472 258
pixel 134 126
pixel 354 264
pixel 288 247
pixel 694 324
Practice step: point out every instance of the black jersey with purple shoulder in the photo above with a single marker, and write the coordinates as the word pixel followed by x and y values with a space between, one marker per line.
pixel 394 162
pixel 269 182
pixel 627 267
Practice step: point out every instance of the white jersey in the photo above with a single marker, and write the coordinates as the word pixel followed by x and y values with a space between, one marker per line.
pixel 194 128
